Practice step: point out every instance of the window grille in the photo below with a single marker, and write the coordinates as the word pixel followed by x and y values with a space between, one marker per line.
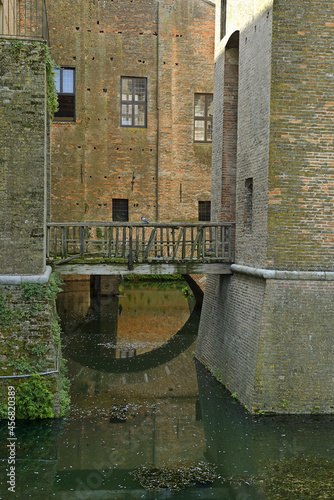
pixel 134 102
pixel 203 111
pixel 120 210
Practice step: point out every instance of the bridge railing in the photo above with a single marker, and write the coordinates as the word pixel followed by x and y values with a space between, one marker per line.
pixel 138 243
pixel 25 19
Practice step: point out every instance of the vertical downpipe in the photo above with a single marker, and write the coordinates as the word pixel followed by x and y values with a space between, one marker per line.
pixel 157 105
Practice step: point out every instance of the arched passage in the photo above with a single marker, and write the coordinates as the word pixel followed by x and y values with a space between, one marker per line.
pixel 230 128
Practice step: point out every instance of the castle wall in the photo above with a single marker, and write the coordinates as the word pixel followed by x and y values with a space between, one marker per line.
pixel 159 169
pixel 267 331
pixel 301 182
pixel 23 160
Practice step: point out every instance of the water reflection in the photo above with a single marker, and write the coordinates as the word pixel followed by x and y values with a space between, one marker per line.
pixel 148 411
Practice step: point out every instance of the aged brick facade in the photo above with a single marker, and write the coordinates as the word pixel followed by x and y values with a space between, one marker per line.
pixel 24 158
pixel 268 329
pixel 159 169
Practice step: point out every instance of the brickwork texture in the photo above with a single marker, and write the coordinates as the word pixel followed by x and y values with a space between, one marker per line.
pixel 23 157
pixel 271 341
pixel 159 169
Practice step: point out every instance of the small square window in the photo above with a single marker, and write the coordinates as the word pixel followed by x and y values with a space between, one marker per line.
pixel 203 112
pixel 120 210
pixel 65 86
pixel 134 102
pixel 204 211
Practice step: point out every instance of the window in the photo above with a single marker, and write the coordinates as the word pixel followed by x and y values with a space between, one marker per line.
pixel 204 211
pixel 222 19
pixel 120 210
pixel 65 85
pixel 203 117
pixel 134 102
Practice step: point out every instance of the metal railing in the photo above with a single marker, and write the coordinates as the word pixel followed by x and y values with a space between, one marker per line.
pixel 24 19
pixel 139 243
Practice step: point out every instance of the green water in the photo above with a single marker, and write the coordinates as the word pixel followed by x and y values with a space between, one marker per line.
pixel 138 397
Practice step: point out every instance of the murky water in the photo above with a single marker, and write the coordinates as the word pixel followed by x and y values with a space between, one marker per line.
pixel 139 397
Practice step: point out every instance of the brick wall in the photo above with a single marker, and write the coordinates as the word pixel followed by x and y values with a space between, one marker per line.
pixel 301 185
pixel 294 367
pixel 158 169
pixel 270 341
pixel 23 157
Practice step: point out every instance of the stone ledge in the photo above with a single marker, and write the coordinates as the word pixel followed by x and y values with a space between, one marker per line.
pixel 273 274
pixel 18 279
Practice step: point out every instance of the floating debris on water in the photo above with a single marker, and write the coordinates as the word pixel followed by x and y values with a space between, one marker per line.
pixel 175 476
pixel 310 477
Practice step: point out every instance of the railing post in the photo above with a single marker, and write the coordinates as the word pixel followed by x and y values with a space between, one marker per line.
pixel 82 240
pixel 130 263
pixel 47 242
pixel 137 244
pixel 124 242
pixel 184 243
pixel 63 242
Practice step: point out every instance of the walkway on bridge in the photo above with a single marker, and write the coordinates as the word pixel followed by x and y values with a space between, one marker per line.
pixel 128 248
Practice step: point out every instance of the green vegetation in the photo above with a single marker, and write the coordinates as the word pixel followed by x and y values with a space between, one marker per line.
pixel 52 96
pixel 28 356
pixel 63 389
pixel 305 478
pixel 7 313
pixel 15 47
pixel 34 399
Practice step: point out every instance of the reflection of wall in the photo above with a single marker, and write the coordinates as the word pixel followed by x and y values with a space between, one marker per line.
pixel 150 317
pixel 74 303
pixel 164 429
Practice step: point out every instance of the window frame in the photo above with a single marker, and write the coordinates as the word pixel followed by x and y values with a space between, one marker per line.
pixel 204 118
pixel 66 94
pixel 119 210
pixel 204 206
pixel 133 102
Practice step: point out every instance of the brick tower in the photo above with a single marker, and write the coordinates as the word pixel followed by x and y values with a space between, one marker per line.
pixel 268 329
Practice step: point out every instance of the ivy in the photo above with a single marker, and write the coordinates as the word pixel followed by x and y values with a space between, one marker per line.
pixel 64 389
pixel 54 286
pixel 7 313
pixel 52 96
pixel 33 399
pixel 15 47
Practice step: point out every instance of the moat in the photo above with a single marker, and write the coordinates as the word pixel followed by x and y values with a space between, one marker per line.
pixel 139 397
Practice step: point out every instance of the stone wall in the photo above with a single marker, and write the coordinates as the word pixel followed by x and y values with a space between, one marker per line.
pixel 29 340
pixel 23 157
pixel 159 169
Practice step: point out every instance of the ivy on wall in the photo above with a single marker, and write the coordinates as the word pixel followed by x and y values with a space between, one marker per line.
pixel 34 394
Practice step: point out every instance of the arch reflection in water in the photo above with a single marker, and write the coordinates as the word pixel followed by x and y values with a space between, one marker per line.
pixel 135 330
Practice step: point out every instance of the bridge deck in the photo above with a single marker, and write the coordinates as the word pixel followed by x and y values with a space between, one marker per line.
pixel 118 248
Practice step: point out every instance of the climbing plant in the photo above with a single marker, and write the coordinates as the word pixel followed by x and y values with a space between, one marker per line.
pixel 52 96
pixel 34 399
